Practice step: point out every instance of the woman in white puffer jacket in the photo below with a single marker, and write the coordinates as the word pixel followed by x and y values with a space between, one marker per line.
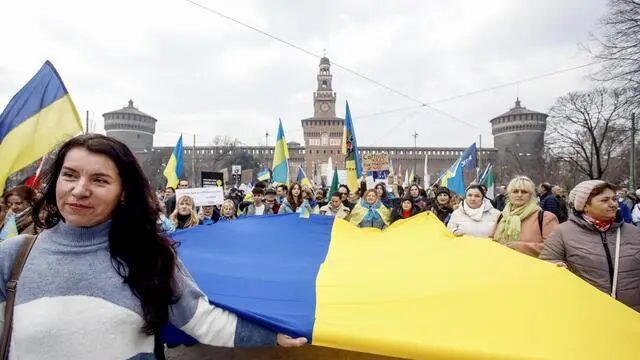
pixel 475 216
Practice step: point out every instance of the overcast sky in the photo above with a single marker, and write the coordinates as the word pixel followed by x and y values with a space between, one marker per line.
pixel 199 73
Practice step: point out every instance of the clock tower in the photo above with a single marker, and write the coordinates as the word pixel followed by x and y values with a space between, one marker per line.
pixel 323 131
pixel 324 99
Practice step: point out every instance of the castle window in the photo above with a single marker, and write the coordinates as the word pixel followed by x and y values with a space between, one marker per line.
pixel 324 139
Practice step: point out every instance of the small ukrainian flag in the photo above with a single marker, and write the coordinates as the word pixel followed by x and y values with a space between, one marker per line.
pixel 304 212
pixel 10 229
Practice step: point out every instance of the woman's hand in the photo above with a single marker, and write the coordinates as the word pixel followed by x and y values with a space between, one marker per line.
pixel 287 341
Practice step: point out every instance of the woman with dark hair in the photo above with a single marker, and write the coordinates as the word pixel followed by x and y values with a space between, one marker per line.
pixel 596 245
pixel 101 277
pixel 416 196
pixel 293 200
pixel 475 216
pixel 404 210
pixel 386 198
pixel 442 204
pixel 19 202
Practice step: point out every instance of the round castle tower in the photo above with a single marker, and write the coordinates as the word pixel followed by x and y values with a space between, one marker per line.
pixel 131 126
pixel 518 135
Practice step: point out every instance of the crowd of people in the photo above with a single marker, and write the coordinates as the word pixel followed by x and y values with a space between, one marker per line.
pixel 96 193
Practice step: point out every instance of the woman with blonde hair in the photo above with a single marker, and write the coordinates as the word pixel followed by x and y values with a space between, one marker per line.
pixel 523 225
pixel 185 216
pixel 228 210
pixel 370 212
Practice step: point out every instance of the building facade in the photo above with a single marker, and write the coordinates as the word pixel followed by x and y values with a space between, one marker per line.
pixel 518 141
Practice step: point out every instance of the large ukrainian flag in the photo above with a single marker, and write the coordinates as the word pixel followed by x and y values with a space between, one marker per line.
pixel 280 158
pixel 39 117
pixel 411 291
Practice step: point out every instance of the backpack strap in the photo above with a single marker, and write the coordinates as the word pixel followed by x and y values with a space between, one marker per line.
pixel 12 286
pixel 540 220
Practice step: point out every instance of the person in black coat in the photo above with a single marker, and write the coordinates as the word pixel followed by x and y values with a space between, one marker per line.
pixel 549 202
pixel 404 210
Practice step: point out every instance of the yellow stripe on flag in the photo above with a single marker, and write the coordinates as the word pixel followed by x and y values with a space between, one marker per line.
pixel 416 291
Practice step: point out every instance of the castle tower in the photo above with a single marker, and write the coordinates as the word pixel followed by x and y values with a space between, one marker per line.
pixel 323 131
pixel 131 126
pixel 518 135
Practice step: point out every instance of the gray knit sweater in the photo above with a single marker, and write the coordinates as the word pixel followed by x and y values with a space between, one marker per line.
pixel 71 303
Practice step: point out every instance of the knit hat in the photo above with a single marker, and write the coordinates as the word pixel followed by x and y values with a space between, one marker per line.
pixel 443 190
pixel 580 194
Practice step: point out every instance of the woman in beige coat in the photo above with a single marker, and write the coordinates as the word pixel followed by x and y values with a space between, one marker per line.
pixel 523 225
pixel 597 245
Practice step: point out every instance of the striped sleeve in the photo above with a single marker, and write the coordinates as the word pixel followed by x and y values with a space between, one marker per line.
pixel 212 325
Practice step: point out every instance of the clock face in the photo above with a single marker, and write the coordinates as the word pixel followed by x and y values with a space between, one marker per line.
pixel 324 107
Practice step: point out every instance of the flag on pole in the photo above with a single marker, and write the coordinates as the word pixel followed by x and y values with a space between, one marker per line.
pixel 36 120
pixel 173 170
pixel 350 150
pixel 10 228
pixel 488 180
pixel 330 171
pixel 302 178
pixel 405 182
pixel 454 177
pixel 281 158
pixel 411 177
pixel 334 183
pixel 427 177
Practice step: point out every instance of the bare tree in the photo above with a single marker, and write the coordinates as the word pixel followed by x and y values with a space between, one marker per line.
pixel 587 130
pixel 619 46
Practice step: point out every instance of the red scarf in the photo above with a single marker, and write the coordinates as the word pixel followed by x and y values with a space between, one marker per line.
pixel 601 225
pixel 406 213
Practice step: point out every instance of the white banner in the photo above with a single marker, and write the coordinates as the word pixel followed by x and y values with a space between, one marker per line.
pixel 203 196
pixel 236 170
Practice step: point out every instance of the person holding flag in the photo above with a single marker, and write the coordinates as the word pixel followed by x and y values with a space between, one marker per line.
pixel 19 220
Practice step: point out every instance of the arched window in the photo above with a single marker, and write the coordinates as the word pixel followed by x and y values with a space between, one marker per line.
pixel 324 139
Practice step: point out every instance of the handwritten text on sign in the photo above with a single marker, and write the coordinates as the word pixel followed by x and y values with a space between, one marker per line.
pixel 203 196
pixel 375 162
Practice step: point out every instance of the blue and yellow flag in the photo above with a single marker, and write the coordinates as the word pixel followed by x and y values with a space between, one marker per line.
pixel 302 178
pixel 280 158
pixel 264 175
pixel 10 228
pixel 413 291
pixel 173 170
pixel 454 176
pixel 350 150
pixel 36 120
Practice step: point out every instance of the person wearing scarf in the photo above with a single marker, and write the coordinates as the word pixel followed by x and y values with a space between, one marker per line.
pixel 370 212
pixel 441 205
pixel 475 216
pixel 404 210
pixel 416 198
pixel 309 202
pixel 227 211
pixel 586 243
pixel 335 207
pixel 519 227
pixel 19 202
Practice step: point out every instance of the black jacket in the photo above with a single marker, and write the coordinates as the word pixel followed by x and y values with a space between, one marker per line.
pixel 550 203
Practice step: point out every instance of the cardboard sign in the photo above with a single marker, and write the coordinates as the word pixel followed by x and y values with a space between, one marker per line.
pixel 211 179
pixel 203 196
pixel 375 162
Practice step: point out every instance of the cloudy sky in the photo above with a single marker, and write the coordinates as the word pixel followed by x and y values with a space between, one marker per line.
pixel 197 72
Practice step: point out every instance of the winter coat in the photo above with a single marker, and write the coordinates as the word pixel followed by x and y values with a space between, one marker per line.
pixel 251 210
pixel 468 223
pixel 550 203
pixel 579 245
pixel 531 238
pixel 340 213
pixel 397 213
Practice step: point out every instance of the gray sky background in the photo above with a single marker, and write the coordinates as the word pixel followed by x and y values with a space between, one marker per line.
pixel 199 73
